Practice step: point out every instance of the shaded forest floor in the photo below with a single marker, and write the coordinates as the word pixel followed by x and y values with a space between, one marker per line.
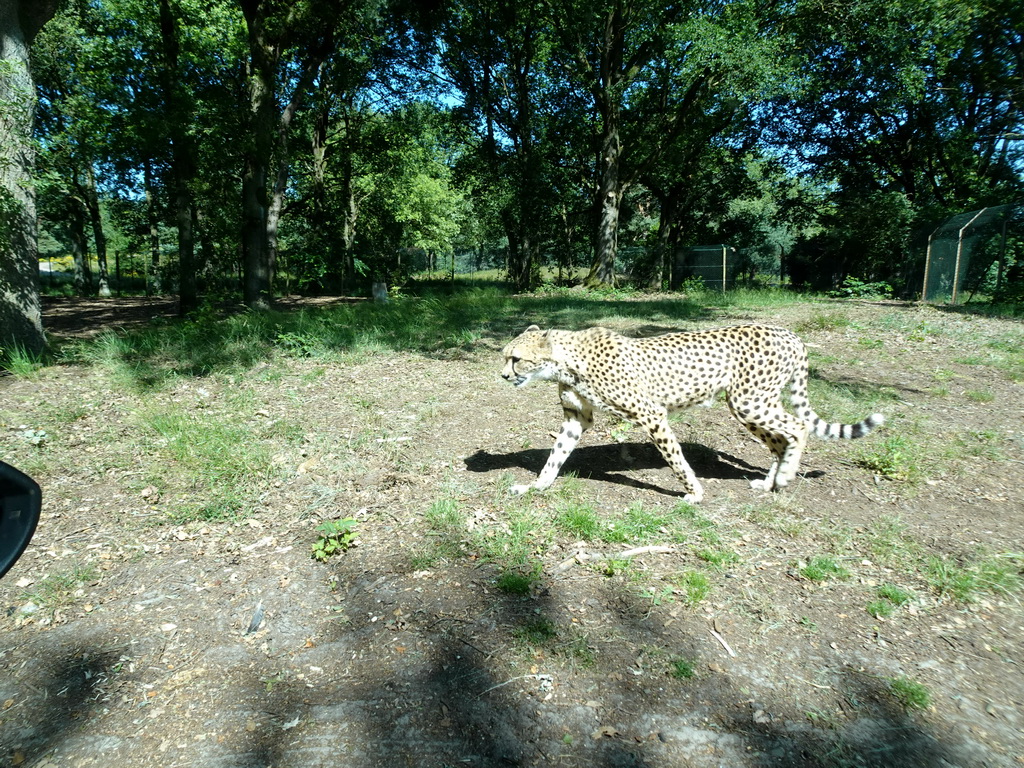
pixel 168 612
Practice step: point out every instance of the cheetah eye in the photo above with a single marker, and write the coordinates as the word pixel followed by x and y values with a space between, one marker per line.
pixel 515 360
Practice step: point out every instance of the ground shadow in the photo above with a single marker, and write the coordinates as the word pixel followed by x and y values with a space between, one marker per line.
pixel 607 462
pixel 56 699
pixel 448 706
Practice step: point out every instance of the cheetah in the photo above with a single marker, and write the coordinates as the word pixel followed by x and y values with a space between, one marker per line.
pixel 642 380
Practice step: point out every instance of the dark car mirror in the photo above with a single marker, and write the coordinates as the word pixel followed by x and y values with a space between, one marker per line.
pixel 20 503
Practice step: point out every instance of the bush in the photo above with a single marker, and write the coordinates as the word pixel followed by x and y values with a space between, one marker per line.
pixel 854 288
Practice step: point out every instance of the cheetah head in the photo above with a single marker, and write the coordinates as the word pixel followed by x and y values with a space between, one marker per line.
pixel 528 358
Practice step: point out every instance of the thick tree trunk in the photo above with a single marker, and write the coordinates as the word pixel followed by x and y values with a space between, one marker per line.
pixel 609 202
pixel 188 292
pixel 350 217
pixel 20 310
pixel 255 253
pixel 274 219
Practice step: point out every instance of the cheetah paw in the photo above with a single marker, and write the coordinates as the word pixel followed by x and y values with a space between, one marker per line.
pixel 696 497
pixel 519 490
pixel 760 485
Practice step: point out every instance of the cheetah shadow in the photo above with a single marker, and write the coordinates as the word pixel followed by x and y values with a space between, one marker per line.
pixel 607 463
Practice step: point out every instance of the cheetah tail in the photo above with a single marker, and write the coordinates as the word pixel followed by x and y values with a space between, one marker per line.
pixel 822 428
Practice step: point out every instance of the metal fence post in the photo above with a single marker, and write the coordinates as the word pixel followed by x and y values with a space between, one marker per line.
pixel 959 250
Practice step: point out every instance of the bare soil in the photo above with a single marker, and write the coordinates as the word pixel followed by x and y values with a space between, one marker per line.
pixel 223 644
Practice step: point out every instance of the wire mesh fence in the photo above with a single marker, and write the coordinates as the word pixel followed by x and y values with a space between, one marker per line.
pixel 717 266
pixel 973 253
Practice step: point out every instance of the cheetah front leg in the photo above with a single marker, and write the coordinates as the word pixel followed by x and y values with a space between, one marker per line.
pixel 579 417
pixel 658 427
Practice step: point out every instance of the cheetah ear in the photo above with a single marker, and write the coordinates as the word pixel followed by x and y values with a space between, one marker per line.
pixel 532 328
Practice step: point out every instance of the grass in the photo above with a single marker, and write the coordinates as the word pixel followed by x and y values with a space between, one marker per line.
pixel 911 694
pixel 823 568
pixel 433 322
pixel 895 457
pixel 216 461
pixel 824 321
pixel 682 668
pixel 446 528
pixel 638 524
pixel 890 597
pixel 578 520
pixel 966 582
pixel 515 583
pixel 59 589
pixel 17 360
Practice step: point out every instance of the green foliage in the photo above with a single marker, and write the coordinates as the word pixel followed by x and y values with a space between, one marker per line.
pixel 60 588
pixel 538 631
pixel 718 558
pixel 580 521
pixel 335 536
pixel 854 288
pixel 890 598
pixel 694 586
pixel 445 516
pixel 825 321
pixel 516 583
pixel 452 167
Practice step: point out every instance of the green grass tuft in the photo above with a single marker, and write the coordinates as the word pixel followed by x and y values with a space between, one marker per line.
pixel 823 568
pixel 910 694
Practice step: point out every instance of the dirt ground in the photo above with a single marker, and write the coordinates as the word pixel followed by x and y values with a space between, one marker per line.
pixel 223 644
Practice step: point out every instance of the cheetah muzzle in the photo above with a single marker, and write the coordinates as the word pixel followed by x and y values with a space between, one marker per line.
pixel 642 380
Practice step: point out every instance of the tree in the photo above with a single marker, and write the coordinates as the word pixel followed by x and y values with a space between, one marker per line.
pixel 288 44
pixel 499 57
pixel 903 112
pixel 20 312
pixel 652 71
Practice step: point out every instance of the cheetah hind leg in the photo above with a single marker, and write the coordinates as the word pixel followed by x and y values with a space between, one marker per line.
pixel 785 441
pixel 784 466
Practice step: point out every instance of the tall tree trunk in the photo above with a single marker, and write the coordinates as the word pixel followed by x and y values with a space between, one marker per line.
pixel 188 290
pixel 262 65
pixel 80 269
pixel 608 202
pixel 92 205
pixel 276 207
pixel 153 219
pixel 182 160
pixel 349 218
pixel 20 309
pixel 255 253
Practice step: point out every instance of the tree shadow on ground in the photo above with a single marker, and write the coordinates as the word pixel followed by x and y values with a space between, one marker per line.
pixel 457 704
pixel 56 698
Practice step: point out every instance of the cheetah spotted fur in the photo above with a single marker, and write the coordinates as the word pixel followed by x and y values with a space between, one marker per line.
pixel 642 380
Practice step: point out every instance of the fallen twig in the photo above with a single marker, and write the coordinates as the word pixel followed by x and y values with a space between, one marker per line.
pixel 725 645
pixel 514 679
pixel 579 557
